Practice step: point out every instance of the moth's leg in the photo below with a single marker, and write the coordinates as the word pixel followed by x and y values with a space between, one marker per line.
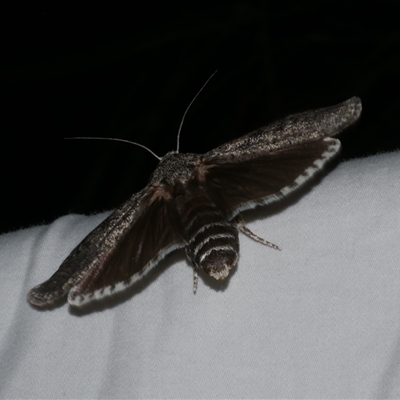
pixel 195 279
pixel 244 229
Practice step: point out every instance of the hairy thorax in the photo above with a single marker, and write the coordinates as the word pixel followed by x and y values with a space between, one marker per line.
pixel 175 167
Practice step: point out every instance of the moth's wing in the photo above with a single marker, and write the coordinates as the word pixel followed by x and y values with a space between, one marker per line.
pixel 264 165
pixel 133 239
pixel 242 185
pixel 291 131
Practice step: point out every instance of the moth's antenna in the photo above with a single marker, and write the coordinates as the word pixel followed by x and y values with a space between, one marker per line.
pixel 117 140
pixel 187 109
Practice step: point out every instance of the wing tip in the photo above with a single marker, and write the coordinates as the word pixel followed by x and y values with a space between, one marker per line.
pixel 42 298
pixel 354 107
pixel 36 299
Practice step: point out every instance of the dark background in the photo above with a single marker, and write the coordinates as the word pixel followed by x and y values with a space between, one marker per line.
pixel 129 71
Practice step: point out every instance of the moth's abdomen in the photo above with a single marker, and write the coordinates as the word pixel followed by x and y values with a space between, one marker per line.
pixel 212 241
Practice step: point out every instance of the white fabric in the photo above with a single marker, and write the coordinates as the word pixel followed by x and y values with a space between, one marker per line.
pixel 319 319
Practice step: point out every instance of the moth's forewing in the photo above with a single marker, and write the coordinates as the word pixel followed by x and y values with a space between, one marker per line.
pixel 123 247
pixel 154 234
pixel 291 131
pixel 264 165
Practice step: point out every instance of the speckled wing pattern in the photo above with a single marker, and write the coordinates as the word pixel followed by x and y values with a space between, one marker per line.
pixel 192 200
pixel 114 255
pixel 279 158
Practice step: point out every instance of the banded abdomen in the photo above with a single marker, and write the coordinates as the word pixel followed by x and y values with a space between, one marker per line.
pixel 212 241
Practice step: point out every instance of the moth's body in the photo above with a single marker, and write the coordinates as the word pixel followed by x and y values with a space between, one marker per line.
pixel 211 239
pixel 194 201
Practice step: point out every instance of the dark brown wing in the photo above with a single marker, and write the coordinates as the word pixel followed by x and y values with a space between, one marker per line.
pixel 117 253
pixel 267 178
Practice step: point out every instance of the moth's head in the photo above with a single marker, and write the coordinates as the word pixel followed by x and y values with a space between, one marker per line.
pixel 175 167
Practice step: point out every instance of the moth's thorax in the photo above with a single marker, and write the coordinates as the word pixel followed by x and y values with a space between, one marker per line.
pixel 175 167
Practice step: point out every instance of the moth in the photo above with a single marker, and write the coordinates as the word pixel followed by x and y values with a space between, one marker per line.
pixel 194 201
